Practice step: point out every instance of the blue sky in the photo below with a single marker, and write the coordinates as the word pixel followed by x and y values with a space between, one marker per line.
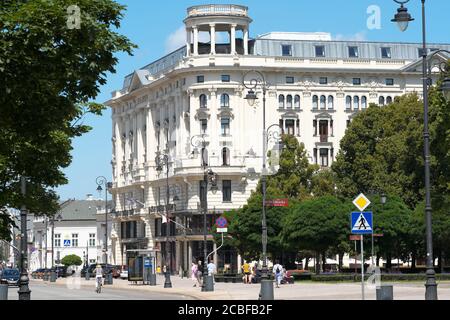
pixel 153 26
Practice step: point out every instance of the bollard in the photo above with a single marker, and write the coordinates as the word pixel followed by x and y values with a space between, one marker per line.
pixel 53 276
pixel 108 279
pixel 208 284
pixel 266 290
pixel 87 276
pixel 3 292
pixel 385 293
pixel 45 276
pixel 153 279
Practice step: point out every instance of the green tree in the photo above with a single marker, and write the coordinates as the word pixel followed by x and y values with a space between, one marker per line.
pixel 71 260
pixel 49 74
pixel 317 225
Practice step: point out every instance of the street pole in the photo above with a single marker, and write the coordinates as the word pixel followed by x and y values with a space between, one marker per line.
pixel 53 241
pixel 24 291
pixel 46 241
pixel 362 266
pixel 106 225
pixel 430 285
pixel 167 283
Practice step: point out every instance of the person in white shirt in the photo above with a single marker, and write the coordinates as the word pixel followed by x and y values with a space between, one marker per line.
pixel 278 272
pixel 211 268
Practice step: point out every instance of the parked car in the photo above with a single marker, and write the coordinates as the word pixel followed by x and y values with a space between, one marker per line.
pixel 62 271
pixel 116 270
pixel 10 277
pixel 37 274
pixel 109 268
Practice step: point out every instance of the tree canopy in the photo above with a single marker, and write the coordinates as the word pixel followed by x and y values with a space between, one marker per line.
pixel 71 260
pixel 49 75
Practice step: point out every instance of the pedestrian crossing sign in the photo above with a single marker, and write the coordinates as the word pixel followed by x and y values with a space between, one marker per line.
pixel 362 223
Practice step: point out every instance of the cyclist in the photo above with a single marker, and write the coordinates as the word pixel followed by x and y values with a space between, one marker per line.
pixel 98 278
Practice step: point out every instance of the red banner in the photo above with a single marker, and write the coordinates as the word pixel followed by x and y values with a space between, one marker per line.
pixel 277 203
pixel 355 238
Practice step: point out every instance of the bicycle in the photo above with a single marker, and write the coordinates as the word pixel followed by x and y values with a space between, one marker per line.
pixel 98 289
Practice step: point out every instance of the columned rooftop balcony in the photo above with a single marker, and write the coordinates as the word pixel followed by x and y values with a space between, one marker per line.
pixel 217 9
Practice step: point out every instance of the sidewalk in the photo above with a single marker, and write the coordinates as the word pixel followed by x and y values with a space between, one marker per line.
pixel 239 291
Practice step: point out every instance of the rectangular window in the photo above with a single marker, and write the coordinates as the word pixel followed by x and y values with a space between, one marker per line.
pixel 290 127
pixel 92 239
pixel 290 80
pixel 57 240
pixel 324 157
pixel 356 81
pixel 200 79
pixel 323 80
pixel 225 126
pixel 286 50
pixel 74 239
pixel 225 78
pixel 226 190
pixel 353 52
pixel 92 261
pixel 320 51
pixel 389 82
pixel 386 53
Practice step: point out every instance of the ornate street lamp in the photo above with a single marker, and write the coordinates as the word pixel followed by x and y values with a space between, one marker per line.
pixel 24 291
pixel 208 177
pixel 260 81
pixel 162 160
pixel 402 18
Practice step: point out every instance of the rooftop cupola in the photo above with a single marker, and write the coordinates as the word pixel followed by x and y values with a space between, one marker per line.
pixel 217 18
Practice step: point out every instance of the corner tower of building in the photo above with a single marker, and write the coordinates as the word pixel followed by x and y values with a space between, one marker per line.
pixel 214 18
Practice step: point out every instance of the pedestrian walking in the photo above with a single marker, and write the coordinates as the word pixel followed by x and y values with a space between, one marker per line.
pixel 199 273
pixel 278 272
pixel 211 268
pixel 194 271
pixel 247 272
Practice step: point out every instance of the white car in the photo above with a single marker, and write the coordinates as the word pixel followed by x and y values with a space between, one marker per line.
pixel 124 275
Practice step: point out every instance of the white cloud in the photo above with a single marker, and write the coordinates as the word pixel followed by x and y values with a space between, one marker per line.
pixel 359 36
pixel 177 39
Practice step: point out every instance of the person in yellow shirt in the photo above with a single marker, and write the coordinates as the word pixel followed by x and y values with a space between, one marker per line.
pixel 247 272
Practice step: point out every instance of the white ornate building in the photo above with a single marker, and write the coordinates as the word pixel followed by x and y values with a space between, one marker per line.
pixel 316 86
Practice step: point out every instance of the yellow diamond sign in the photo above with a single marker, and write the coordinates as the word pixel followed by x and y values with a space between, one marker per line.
pixel 361 202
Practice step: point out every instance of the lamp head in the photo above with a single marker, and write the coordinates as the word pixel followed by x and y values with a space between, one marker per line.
pixel 383 199
pixel 99 188
pixel 251 97
pixel 402 18
pixel 445 88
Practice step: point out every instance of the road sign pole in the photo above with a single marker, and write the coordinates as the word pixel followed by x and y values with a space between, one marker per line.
pixel 362 266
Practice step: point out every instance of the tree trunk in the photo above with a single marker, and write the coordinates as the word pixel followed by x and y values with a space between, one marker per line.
pixel 341 261
pixel 324 261
pixel 378 260
pixel 317 263
pixel 306 263
pixel 413 261
pixel 388 261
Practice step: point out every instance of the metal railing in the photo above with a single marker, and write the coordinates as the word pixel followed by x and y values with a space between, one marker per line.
pixel 220 9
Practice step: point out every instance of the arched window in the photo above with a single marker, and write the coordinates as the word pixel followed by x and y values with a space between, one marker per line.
pixel 224 101
pixel 323 102
pixel 297 102
pixel 281 101
pixel 330 102
pixel 355 103
pixel 225 157
pixel 203 101
pixel 363 102
pixel 315 102
pixel 388 100
pixel 381 101
pixel 289 102
pixel 348 103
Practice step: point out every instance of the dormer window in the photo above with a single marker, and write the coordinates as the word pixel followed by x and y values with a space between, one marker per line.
pixel 386 53
pixel 320 51
pixel 286 50
pixel 353 52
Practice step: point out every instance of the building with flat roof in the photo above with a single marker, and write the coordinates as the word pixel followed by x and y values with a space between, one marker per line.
pixel 317 86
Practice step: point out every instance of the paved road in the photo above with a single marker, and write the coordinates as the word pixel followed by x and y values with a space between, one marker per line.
pixel 43 291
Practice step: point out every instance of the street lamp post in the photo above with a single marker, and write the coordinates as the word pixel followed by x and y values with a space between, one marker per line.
pixel 402 18
pixel 102 181
pixel 161 161
pixel 266 284
pixel 24 290
pixel 208 176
